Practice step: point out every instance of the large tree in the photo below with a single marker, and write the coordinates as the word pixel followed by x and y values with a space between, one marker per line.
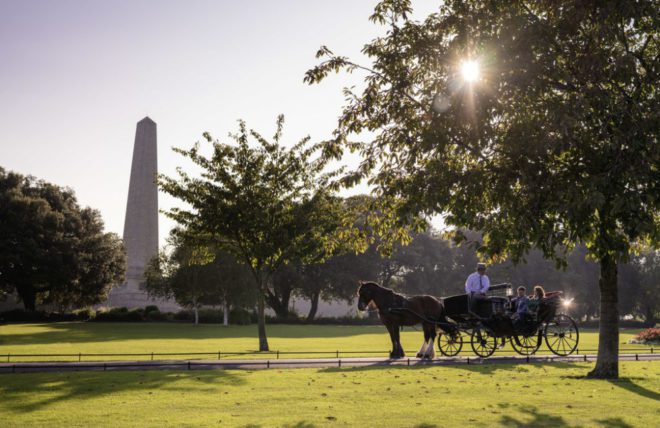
pixel 258 200
pixel 52 251
pixel 533 122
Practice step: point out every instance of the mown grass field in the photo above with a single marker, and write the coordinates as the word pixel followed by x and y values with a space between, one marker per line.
pixel 553 395
pixel 90 338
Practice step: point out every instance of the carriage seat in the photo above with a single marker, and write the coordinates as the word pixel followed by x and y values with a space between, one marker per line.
pixel 459 305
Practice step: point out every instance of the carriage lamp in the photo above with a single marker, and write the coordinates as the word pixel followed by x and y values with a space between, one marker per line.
pixel 567 302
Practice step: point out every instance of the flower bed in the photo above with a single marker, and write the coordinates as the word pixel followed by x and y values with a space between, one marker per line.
pixel 650 336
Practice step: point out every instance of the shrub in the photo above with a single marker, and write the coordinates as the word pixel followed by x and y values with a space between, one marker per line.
pixel 157 315
pixel 184 315
pixel 240 316
pixel 85 314
pixel 209 316
pixel 21 315
pixel 120 315
pixel 649 336
pixel 151 308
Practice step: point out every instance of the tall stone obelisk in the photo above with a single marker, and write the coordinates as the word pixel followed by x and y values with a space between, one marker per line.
pixel 141 224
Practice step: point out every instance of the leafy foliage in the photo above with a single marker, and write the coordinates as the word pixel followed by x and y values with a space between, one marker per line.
pixel 556 144
pixel 261 202
pixel 52 251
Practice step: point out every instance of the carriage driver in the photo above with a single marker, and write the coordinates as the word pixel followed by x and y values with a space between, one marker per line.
pixel 477 283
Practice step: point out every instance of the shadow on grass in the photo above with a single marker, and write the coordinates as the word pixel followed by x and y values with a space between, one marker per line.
pixel 18 391
pixel 536 418
pixel 627 383
pixel 487 368
pixel 614 423
pixel 82 332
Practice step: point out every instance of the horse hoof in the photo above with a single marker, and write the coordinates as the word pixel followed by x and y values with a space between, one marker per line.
pixel 420 355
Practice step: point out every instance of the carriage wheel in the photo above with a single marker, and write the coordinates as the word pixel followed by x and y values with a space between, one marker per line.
pixel 483 343
pixel 450 344
pixel 526 345
pixel 562 335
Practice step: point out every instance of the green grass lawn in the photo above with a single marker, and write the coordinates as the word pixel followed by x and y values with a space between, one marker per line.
pixel 553 395
pixel 75 337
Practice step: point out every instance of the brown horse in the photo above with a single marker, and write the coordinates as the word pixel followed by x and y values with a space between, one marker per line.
pixel 396 310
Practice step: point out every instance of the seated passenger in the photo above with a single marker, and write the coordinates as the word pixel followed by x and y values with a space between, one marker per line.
pixel 539 292
pixel 522 303
pixel 534 302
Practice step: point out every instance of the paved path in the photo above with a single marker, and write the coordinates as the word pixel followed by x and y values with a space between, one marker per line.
pixel 290 363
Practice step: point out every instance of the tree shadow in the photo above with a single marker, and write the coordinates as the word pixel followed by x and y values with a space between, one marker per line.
pixel 538 419
pixel 614 423
pixel 628 384
pixel 83 332
pixel 481 368
pixel 17 390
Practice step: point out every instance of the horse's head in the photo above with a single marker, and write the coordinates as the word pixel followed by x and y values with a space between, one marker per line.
pixel 366 294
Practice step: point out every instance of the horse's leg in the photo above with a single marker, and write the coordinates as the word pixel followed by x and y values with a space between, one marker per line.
pixel 394 332
pixel 429 336
pixel 398 353
pixel 425 345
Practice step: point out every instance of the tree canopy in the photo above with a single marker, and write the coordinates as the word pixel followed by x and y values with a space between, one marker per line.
pixel 554 143
pixel 262 202
pixel 52 251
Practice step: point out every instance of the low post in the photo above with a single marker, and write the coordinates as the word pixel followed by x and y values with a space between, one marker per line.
pixel 218 355
pixel 337 353
pixel 188 365
pixel 79 356
pixel 8 354
pixel 278 354
pixel 152 356
pixel 339 363
pixel 267 364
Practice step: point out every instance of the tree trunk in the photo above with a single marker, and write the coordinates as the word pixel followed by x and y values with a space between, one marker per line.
pixel 261 320
pixel 649 315
pixel 279 303
pixel 29 297
pixel 607 363
pixel 196 311
pixel 225 313
pixel 315 305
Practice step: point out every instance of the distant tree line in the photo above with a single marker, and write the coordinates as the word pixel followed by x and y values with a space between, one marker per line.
pixel 429 264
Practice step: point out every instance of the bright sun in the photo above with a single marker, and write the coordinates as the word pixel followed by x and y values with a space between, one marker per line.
pixel 470 70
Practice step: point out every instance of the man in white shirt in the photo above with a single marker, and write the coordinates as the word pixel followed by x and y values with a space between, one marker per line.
pixel 477 283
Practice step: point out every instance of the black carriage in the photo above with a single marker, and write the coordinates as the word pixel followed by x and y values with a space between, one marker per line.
pixel 488 322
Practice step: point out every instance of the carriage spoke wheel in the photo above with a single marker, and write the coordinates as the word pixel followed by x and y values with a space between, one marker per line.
pixel 561 335
pixel 450 344
pixel 526 345
pixel 483 343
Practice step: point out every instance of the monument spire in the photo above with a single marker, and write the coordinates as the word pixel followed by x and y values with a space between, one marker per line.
pixel 141 223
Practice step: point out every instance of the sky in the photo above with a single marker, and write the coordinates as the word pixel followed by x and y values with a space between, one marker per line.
pixel 76 77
